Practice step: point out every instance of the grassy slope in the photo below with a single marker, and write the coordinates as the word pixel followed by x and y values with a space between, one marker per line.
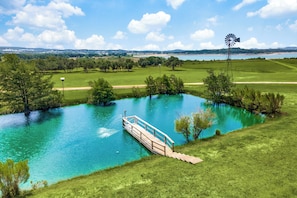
pixel 259 161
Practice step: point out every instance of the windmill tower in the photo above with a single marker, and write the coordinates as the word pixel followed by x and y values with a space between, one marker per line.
pixel 230 41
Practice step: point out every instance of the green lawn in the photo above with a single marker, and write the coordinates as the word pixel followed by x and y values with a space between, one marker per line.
pixel 191 71
pixel 259 161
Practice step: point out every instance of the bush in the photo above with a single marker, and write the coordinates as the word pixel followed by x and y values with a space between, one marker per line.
pixel 136 92
pixel 218 132
pixel 101 92
pixel 11 175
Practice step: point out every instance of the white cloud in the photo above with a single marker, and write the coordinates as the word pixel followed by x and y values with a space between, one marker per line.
pixel 11 6
pixel 171 37
pixel 213 20
pixel 252 43
pixel 276 45
pixel 93 42
pixel 14 34
pixel 179 45
pixel 155 36
pixel 175 3
pixel 243 3
pixel 149 22
pixel 209 45
pixel 112 46
pixel 3 42
pixel 65 9
pixel 49 17
pixel 250 29
pixel 202 34
pixel 28 37
pixel 64 36
pixel 119 35
pixel 151 47
pixel 276 8
pixel 293 26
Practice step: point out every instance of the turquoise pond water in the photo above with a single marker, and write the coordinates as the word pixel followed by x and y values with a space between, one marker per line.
pixel 76 140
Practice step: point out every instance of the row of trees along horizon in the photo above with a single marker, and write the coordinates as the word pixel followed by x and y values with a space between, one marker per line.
pixel 60 63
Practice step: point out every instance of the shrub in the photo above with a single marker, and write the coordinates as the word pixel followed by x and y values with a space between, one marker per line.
pixel 218 132
pixel 11 175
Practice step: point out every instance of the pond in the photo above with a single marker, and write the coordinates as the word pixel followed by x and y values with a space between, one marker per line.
pixel 76 140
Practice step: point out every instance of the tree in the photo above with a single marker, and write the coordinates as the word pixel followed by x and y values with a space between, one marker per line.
pixel 101 92
pixel 169 85
pixel 194 125
pixel 217 86
pixel 177 83
pixel 202 120
pixel 129 64
pixel 182 125
pixel 173 62
pixel 151 87
pixel 11 175
pixel 23 88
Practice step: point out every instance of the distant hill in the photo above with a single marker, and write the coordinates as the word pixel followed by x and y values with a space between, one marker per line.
pixel 84 52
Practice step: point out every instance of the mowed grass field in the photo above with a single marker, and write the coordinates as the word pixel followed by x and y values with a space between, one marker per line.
pixel 191 71
pixel 259 161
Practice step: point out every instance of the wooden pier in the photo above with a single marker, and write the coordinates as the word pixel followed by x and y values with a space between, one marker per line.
pixel 153 139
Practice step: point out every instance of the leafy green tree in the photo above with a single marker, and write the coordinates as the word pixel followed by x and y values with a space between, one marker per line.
pixel 150 61
pixel 217 86
pixel 182 125
pixel 151 87
pixel 169 85
pixel 104 65
pixel 201 121
pixel 173 62
pixel 129 64
pixel 194 125
pixel 11 176
pixel 101 92
pixel 23 88
pixel 177 83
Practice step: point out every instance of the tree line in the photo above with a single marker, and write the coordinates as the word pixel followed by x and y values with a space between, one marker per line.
pixel 220 89
pixel 68 64
pixel 102 93
pixel 53 63
pixel 170 85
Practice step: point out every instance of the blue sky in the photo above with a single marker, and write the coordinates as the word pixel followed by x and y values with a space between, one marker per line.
pixel 147 24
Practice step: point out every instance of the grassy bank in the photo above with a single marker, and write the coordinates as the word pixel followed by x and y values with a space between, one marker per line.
pixel 259 161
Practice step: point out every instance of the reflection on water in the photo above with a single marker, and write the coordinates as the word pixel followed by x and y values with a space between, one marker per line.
pixel 76 140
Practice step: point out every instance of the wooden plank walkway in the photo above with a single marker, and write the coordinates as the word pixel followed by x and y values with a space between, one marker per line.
pixel 154 140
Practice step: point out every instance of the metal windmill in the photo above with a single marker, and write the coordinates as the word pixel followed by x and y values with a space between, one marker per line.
pixel 230 41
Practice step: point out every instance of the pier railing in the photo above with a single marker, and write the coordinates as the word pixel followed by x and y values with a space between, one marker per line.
pixel 149 128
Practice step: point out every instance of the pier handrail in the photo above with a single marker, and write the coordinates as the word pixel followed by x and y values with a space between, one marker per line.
pixel 152 130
